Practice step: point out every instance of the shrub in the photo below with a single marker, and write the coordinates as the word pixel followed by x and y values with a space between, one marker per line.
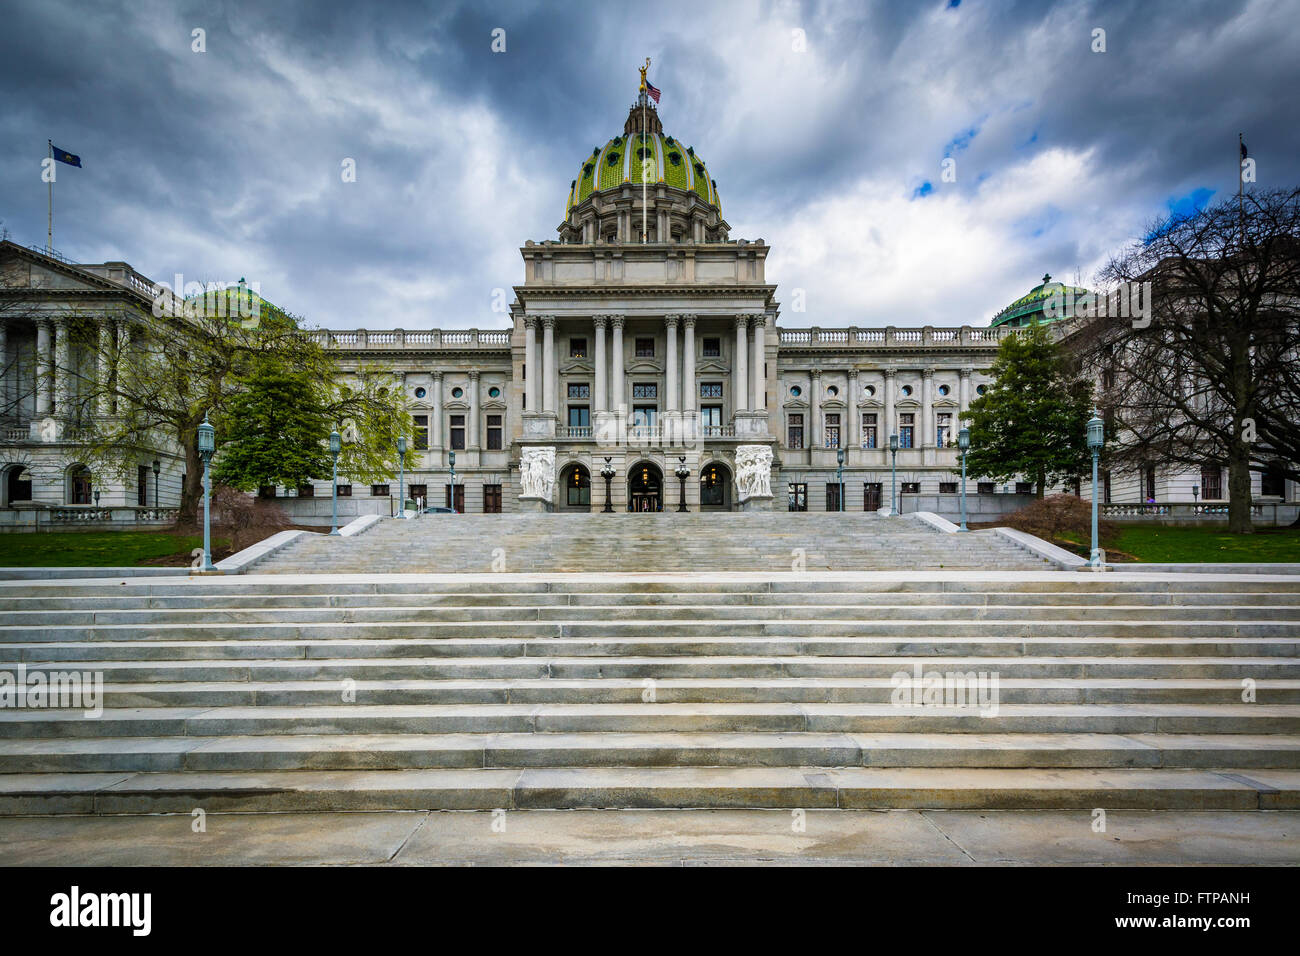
pixel 1057 515
pixel 245 519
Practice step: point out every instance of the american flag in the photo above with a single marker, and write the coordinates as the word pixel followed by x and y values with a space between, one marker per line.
pixel 654 93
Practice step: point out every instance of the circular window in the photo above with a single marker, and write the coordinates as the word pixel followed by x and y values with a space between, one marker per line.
pixel 457 392
pixel 907 389
pixel 419 393
pixel 833 390
pixel 796 391
pixel 871 390
pixel 980 390
pixel 943 389
pixel 494 392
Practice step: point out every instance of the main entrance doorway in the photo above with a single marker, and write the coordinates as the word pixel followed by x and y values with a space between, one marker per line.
pixel 645 488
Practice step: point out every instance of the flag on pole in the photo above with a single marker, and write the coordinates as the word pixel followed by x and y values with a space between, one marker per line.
pixel 654 93
pixel 63 156
pixel 1243 151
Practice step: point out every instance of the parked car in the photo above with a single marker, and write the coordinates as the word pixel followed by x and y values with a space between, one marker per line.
pixel 439 510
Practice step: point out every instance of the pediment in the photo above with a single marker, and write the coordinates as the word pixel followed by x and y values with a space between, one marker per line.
pixel 455 404
pixel 712 365
pixel 494 404
pixel 579 367
pixel 796 403
pixel 644 366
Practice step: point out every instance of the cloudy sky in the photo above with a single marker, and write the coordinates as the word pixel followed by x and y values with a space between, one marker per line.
pixel 826 126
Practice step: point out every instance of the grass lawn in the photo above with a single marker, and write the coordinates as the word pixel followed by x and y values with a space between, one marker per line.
pixel 99 549
pixel 1207 543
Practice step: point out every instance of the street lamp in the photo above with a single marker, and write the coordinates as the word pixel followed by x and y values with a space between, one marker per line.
pixel 157 467
pixel 1096 438
pixel 1196 495
pixel 963 442
pixel 207 445
pixel 608 474
pixel 451 494
pixel 893 479
pixel 839 475
pixel 336 446
pixel 401 476
pixel 682 474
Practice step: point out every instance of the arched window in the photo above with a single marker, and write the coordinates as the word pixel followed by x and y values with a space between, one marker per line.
pixel 79 485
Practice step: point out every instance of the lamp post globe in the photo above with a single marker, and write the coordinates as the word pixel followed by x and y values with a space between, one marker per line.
pixel 157 467
pixel 963 443
pixel 1096 439
pixel 336 446
pixel 207 442
pixel 401 476
pixel 893 473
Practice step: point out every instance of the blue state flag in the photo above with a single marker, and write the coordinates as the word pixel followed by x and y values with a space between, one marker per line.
pixel 63 156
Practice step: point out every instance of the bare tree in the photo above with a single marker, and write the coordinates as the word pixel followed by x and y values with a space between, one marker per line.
pixel 1209 374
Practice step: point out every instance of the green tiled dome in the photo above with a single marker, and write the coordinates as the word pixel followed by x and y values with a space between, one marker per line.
pixel 1029 308
pixel 622 159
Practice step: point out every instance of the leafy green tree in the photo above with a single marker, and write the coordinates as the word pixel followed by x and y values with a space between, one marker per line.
pixel 277 429
pixel 1032 421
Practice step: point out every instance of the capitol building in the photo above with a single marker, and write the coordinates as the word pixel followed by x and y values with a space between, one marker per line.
pixel 645 345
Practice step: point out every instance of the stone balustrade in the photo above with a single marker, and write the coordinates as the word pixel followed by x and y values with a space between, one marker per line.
pixel 853 337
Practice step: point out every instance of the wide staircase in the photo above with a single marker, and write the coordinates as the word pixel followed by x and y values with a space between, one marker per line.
pixel 765 690
pixel 667 542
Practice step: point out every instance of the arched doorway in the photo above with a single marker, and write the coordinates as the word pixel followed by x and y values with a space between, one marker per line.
pixel 18 484
pixel 645 487
pixel 715 487
pixel 575 488
pixel 79 485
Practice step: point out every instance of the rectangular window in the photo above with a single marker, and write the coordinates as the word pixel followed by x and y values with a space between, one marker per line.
pixel 910 488
pixel 491 499
pixel 710 417
pixel 798 496
pixel 710 389
pixel 579 416
pixel 1105 487
pixel 577 348
pixel 141 487
pixel 985 488
pixel 1211 482
pixel 947 487
pixel 794 432
pixel 345 491
pixel 306 491
pixel 869 433
pixel 421 423
pixel 579 390
pixel 644 416
pixel 457 432
pixel 457 502
pixel 645 348
pixel 832 496
pixel 943 429
pixel 906 427
pixel 712 348
pixel 266 491
pixel 378 491
pixel 645 390
pixel 871 491
pixel 577 490
pixel 494 432
pixel 833 431
pixel 1024 488
pixel 418 492
pixel 1149 482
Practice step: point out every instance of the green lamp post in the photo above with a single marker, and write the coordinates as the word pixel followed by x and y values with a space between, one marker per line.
pixel 1096 438
pixel 207 446
pixel 963 442
pixel 336 446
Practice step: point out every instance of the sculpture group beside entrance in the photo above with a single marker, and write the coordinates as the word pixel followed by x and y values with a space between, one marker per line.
pixel 754 477
pixel 537 478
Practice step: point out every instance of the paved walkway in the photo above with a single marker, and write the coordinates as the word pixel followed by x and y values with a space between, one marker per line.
pixel 659 837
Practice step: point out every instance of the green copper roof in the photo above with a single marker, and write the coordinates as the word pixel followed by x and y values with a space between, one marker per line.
pixel 1029 308
pixel 622 160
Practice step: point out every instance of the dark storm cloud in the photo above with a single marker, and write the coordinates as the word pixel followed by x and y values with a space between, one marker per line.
pixel 227 163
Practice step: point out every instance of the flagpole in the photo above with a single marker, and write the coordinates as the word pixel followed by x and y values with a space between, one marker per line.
pixel 644 139
pixel 49 234
pixel 1241 183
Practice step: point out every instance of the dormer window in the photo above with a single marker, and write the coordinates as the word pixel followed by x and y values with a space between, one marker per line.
pixel 699 170
pixel 612 159
pixel 675 158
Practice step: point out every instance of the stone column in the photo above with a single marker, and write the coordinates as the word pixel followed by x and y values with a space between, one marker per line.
pixel 890 426
pixel 690 394
pixel 927 406
pixel 43 362
pixel 599 357
pixel 435 439
pixel 855 417
pixel 739 383
pixel 756 377
pixel 62 368
pixel 963 389
pixel 617 392
pixel 673 386
pixel 104 367
pixel 473 409
pixel 530 364
pixel 815 411
pixel 5 372
pixel 548 363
